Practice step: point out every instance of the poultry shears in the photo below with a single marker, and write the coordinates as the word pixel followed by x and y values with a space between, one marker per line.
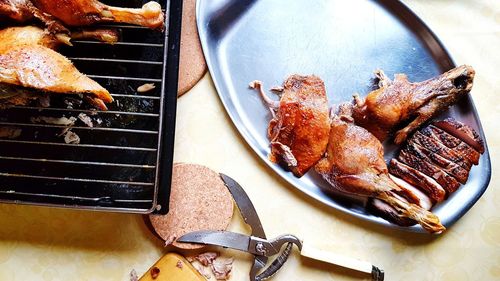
pixel 258 245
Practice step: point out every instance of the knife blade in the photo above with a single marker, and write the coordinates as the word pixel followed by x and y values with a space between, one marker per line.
pixel 218 238
pixel 245 206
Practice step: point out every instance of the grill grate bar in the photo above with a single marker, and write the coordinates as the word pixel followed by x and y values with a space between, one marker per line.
pixel 115 60
pixel 124 78
pixel 79 198
pixel 136 96
pixel 118 166
pixel 138 44
pixel 79 162
pixel 82 145
pixel 80 128
pixel 77 179
pixel 124 26
pixel 88 111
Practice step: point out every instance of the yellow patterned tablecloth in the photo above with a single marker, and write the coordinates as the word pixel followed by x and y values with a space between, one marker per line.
pixel 53 244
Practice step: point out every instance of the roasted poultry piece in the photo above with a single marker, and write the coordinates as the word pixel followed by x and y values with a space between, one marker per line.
pixel 29 68
pixel 79 13
pixel 399 102
pixel 23 11
pixel 300 126
pixel 354 164
pixel 438 155
pixel 88 12
pixel 35 35
pixel 433 164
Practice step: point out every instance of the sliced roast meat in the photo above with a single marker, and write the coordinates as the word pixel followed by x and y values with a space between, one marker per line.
pixel 437 147
pixel 461 131
pixel 387 212
pixel 449 183
pixel 427 184
pixel 452 142
pixel 451 168
pixel 423 200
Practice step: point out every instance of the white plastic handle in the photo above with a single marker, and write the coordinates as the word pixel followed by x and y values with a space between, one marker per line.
pixel 332 258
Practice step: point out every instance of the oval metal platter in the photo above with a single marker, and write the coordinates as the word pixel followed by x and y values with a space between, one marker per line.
pixel 342 42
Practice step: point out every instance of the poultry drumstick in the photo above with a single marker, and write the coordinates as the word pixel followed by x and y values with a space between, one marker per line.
pixel 400 101
pixel 28 65
pixel 354 164
pixel 300 125
pixel 88 12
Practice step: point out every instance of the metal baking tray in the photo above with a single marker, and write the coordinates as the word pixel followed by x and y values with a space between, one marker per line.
pixel 124 162
pixel 342 42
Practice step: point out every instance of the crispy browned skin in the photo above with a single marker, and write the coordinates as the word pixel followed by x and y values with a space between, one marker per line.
pixel 88 12
pixel 453 143
pixel 300 127
pixel 16 10
pixel 426 155
pixel 418 179
pixel 27 61
pixel 440 149
pixel 401 102
pixel 27 35
pixel 461 131
pixel 411 158
pixel 354 164
pixel 23 11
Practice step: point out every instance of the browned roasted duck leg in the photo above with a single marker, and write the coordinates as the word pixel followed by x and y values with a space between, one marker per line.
pixel 26 61
pixel 23 11
pixel 402 102
pixel 354 163
pixel 87 12
pixel 299 128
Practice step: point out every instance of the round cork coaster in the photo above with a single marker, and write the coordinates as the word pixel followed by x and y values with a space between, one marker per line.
pixel 199 200
pixel 192 65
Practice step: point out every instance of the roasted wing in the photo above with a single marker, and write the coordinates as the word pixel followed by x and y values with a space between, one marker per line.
pixel 300 127
pixel 354 164
pixel 401 102
pixel 88 12
pixel 26 61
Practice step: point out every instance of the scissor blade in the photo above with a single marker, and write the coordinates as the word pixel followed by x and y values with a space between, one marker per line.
pixel 246 207
pixel 218 238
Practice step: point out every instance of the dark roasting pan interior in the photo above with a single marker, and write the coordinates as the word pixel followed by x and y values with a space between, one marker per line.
pixel 124 162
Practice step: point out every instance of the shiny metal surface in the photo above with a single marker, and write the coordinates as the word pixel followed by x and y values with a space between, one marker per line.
pixel 226 239
pixel 247 210
pixel 341 41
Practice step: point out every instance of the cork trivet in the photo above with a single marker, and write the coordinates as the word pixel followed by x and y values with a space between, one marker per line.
pixel 199 200
pixel 192 65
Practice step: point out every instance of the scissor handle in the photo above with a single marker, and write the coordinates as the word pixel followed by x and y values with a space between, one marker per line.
pixel 276 264
pixel 274 247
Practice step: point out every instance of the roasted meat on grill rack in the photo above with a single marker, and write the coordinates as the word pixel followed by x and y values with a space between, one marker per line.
pixel 88 12
pixel 30 68
pixel 23 11
pixel 402 103
pixel 300 126
pixel 80 13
